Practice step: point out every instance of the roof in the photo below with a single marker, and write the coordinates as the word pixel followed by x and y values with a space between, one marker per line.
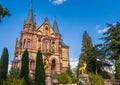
pixel 55 26
pixel 63 44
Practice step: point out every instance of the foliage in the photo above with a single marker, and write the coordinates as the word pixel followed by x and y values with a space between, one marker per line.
pixel 14 81
pixel 14 73
pixel 105 75
pixel 25 67
pixel 69 71
pixel 64 79
pixel 86 44
pixel 4 64
pixel 3 12
pixel 32 81
pixel 95 79
pixel 39 71
pixel 93 54
pixel 117 75
pixel 112 43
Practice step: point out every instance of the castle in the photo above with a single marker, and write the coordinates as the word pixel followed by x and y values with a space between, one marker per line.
pixel 45 38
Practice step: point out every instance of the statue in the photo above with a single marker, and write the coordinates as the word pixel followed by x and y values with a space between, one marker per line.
pixel 46 65
pixel 83 68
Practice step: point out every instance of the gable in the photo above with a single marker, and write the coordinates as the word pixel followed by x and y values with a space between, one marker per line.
pixel 46 29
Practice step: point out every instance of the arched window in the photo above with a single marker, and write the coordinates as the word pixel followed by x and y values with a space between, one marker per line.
pixel 28 44
pixel 53 47
pixel 30 66
pixel 39 44
pixel 24 43
pixel 53 65
pixel 46 46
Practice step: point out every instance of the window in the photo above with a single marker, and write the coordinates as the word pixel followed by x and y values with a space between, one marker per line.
pixel 46 46
pixel 53 65
pixel 28 43
pixel 53 47
pixel 46 30
pixel 39 45
pixel 24 45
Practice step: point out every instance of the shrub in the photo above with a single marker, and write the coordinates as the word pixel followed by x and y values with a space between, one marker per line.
pixel 64 79
pixel 95 79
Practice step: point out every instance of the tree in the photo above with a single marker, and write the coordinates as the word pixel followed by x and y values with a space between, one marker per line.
pixel 69 71
pixel 117 75
pixel 94 59
pixel 86 44
pixel 3 12
pixel 4 64
pixel 25 67
pixel 14 78
pixel 112 44
pixel 14 73
pixel 39 71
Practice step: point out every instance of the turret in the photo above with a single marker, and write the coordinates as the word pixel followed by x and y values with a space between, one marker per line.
pixel 30 22
pixel 55 26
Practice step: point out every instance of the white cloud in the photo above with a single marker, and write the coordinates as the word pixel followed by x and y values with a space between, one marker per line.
pixel 73 62
pixel 103 30
pixel 57 2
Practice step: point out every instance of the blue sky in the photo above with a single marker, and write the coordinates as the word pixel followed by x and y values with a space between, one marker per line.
pixel 73 17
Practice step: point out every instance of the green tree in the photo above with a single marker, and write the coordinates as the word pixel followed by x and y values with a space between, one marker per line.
pixel 4 64
pixel 14 78
pixel 25 67
pixel 39 71
pixel 3 12
pixel 14 73
pixel 111 44
pixel 94 59
pixel 118 69
pixel 95 79
pixel 69 71
pixel 86 44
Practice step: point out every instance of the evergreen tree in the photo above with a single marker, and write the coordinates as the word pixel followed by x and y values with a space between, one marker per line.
pixel 25 67
pixel 69 71
pixel 4 64
pixel 39 71
pixel 94 59
pixel 86 44
pixel 112 44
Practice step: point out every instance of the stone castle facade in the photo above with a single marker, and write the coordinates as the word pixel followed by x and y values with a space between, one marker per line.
pixel 45 38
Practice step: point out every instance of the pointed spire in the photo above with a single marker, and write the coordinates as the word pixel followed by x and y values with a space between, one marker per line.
pixel 55 26
pixel 30 14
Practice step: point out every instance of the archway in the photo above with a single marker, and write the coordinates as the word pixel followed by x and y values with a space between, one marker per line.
pixel 53 65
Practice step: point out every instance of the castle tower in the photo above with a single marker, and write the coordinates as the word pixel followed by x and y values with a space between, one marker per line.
pixel 45 38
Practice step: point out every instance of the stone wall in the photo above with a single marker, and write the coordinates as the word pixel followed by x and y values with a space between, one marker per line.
pixel 111 82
